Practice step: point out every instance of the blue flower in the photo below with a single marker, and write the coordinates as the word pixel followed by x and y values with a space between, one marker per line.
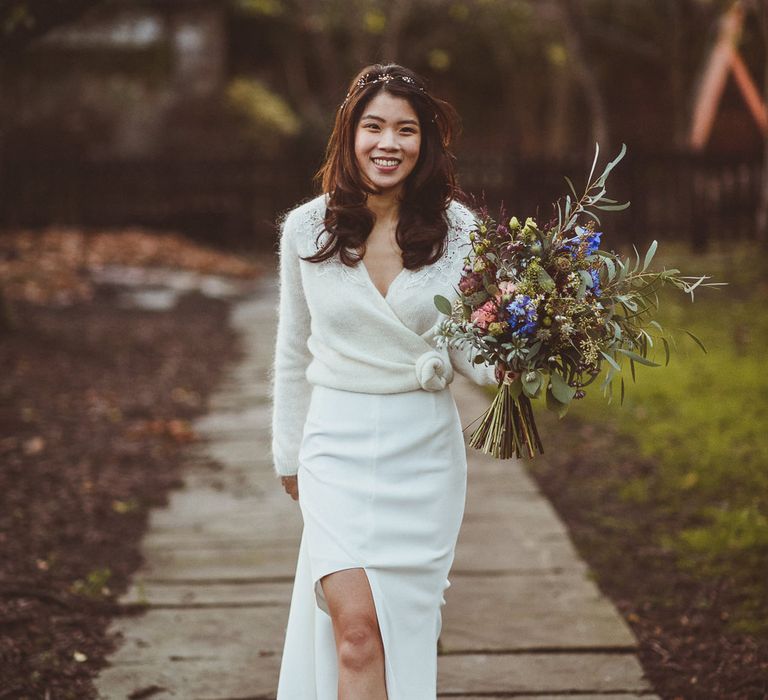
pixel 595 282
pixel 523 316
pixel 591 238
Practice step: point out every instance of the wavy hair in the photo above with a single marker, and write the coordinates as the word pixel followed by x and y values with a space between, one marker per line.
pixel 422 227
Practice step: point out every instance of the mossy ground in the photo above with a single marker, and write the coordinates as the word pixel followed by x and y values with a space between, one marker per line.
pixel 667 495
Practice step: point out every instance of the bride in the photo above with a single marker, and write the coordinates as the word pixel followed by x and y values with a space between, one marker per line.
pixel 366 435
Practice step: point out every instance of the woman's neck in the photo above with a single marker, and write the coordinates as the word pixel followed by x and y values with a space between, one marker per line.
pixel 385 206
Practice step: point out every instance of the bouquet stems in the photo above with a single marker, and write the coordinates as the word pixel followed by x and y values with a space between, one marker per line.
pixel 508 428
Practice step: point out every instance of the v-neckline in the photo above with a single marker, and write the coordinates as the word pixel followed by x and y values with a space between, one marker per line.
pixel 385 296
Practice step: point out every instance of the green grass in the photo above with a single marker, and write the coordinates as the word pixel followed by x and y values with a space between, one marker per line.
pixel 702 421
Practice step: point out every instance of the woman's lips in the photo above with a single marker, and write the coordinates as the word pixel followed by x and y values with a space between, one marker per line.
pixel 386 168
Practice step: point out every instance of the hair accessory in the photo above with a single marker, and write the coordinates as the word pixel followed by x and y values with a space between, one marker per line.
pixel 380 78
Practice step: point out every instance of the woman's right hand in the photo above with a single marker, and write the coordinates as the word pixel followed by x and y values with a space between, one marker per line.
pixel 503 374
pixel 291 486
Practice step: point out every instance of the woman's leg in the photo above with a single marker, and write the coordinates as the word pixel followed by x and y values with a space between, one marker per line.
pixel 358 637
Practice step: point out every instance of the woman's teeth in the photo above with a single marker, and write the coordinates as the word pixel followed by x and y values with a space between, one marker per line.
pixel 386 162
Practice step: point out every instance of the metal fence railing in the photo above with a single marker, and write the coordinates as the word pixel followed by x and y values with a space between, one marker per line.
pixel 234 203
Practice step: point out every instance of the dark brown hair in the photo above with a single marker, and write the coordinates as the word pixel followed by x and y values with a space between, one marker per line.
pixel 422 227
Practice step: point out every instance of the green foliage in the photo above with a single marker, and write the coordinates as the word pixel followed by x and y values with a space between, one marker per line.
pixel 267 8
pixel 268 116
pixel 95 583
pixel 702 420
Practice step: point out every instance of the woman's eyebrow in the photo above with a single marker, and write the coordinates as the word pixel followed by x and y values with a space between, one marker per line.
pixel 380 119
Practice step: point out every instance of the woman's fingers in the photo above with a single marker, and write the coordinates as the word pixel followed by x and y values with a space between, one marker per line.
pixel 291 486
pixel 503 374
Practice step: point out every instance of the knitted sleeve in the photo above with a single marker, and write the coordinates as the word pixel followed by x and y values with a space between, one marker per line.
pixel 290 389
pixel 463 220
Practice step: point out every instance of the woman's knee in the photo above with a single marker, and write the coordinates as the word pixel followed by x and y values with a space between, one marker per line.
pixel 359 644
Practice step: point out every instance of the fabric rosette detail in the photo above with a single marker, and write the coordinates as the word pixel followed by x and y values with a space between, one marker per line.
pixel 433 371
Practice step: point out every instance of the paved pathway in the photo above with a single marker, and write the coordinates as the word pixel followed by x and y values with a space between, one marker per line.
pixel 523 618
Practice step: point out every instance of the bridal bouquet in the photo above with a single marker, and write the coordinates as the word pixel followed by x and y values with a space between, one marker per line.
pixel 548 304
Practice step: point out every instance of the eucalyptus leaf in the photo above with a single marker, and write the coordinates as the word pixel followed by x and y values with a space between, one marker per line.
pixel 533 386
pixel 638 358
pixel 611 165
pixel 573 189
pixel 594 162
pixel 563 392
pixel 611 362
pixel 587 278
pixel 612 207
pixel 666 350
pixel 534 348
pixel 649 255
pixel 546 281
pixel 443 305
pixel 515 388
pixel 698 341
pixel 592 214
pixel 556 406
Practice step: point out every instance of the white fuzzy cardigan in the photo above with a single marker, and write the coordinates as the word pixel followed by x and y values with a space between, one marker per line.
pixel 336 329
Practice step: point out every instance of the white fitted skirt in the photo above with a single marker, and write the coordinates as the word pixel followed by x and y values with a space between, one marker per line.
pixel 382 486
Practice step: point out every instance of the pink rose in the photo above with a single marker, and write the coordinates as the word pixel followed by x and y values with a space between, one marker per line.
pixel 485 315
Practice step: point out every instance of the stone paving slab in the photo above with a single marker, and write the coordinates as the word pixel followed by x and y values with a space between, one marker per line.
pixel 244 677
pixel 248 676
pixel 245 592
pixel 507 613
pixel 266 560
pixel 492 547
pixel 571 696
pixel 210 506
pixel 540 673
pixel 219 422
pixel 208 633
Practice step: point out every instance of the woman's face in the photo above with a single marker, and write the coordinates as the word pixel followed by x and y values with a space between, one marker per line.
pixel 387 141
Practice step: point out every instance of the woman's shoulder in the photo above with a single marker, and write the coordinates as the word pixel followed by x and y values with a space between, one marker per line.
pixel 308 213
pixel 461 218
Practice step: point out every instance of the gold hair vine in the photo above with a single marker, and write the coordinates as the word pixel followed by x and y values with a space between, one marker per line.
pixel 382 78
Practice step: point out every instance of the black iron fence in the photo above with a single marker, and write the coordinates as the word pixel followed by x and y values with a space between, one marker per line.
pixel 233 203
pixel 680 196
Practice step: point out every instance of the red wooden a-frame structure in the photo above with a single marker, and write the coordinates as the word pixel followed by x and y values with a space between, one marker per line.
pixel 724 59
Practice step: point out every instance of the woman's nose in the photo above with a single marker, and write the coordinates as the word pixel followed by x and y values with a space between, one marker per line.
pixel 387 139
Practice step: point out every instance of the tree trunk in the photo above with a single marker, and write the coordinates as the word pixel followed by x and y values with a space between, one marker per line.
pixel 676 74
pixel 573 36
pixel 390 46
pixel 560 114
